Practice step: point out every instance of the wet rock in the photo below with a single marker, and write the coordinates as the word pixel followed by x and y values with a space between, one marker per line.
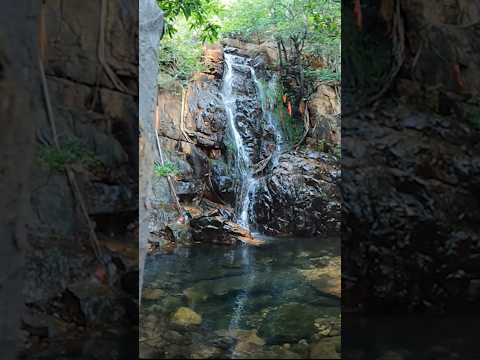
pixel 289 323
pixel 97 302
pixel 152 294
pixel 215 228
pixel 108 199
pixel 205 119
pixel 148 352
pixel 53 263
pixel 300 196
pixel 187 189
pixel 43 325
pixel 205 352
pixel 326 279
pixel 267 50
pixel 208 289
pixel 186 317
pixel 223 182
pixel 409 192
pixel 178 233
pixel 328 348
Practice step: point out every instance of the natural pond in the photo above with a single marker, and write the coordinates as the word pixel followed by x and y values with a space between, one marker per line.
pixel 270 301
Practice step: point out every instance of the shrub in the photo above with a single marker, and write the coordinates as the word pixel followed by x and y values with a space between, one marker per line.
pixel 167 169
pixel 72 152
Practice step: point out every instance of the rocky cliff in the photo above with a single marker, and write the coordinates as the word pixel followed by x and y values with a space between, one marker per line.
pixel 298 189
pixel 90 57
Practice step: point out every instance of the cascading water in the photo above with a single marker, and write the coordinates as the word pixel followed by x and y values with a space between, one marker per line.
pixel 243 161
pixel 243 165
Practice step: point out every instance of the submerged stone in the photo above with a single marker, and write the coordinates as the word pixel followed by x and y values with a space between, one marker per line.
pixel 289 323
pixel 186 317
pixel 152 294
pixel 328 348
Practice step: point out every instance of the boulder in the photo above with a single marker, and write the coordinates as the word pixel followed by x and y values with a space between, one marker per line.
pixel 299 196
pixel 186 317
pixel 214 228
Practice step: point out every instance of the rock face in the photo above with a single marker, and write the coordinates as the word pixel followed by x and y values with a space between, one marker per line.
pixel 411 184
pixel 21 102
pixel 266 50
pixel 300 196
pixel 93 115
pixel 454 34
pixel 324 109
pixel 205 118
pixel 151 27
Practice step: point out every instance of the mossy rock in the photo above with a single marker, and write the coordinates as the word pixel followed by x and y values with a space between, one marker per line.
pixel 289 323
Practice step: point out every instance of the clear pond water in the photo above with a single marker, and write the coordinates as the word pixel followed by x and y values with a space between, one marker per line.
pixel 259 291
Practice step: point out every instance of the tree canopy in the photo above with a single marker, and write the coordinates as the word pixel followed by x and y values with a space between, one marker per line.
pixel 306 33
pixel 304 26
pixel 199 16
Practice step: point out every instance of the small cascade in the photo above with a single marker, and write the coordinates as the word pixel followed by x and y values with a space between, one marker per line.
pixel 243 162
pixel 267 109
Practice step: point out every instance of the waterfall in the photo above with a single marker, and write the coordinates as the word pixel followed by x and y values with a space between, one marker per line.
pixel 243 159
pixel 243 162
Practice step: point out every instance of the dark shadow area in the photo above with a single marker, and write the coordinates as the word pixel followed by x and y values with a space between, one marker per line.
pixel 75 75
pixel 410 178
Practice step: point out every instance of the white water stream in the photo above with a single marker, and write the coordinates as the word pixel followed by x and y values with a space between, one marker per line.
pixel 243 162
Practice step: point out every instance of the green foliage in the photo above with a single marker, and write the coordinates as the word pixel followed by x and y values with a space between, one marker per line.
pixel 72 152
pixel 291 127
pixel 181 55
pixel 325 75
pixel 167 169
pixel 189 24
pixel 247 19
pixel 312 25
pixel 198 14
